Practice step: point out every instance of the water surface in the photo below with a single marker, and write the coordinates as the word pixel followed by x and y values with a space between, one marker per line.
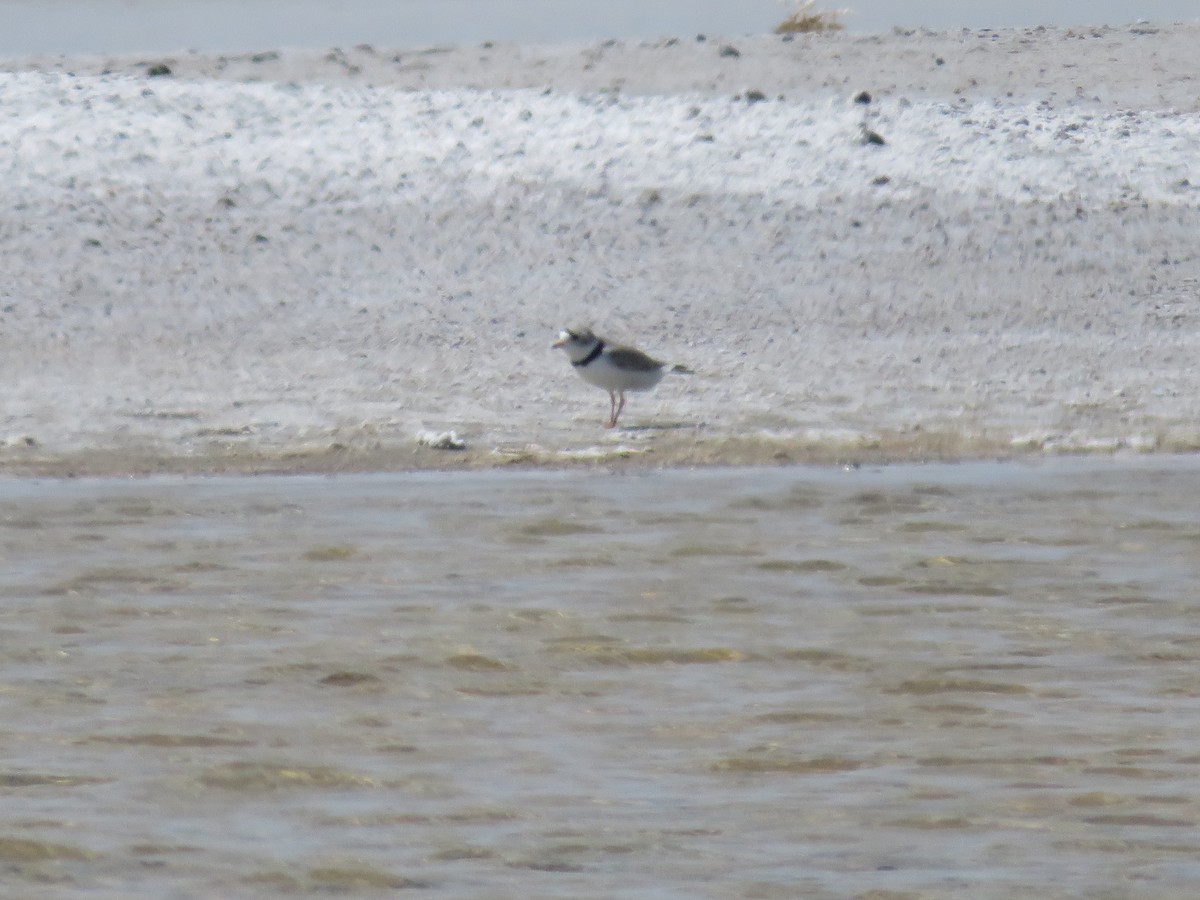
pixel 942 681
pixel 84 27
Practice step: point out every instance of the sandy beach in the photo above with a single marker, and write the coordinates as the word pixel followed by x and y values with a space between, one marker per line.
pixel 314 261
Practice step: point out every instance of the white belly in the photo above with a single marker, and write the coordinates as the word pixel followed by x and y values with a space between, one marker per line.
pixel 602 373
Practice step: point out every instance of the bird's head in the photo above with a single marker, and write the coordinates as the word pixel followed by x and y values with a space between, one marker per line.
pixel 577 342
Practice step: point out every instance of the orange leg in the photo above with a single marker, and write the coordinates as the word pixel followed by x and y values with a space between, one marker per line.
pixel 620 406
pixel 612 410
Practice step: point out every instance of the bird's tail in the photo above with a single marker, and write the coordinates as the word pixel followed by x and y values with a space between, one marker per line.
pixel 682 370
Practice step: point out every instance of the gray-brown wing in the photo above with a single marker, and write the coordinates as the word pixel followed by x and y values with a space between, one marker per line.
pixel 633 359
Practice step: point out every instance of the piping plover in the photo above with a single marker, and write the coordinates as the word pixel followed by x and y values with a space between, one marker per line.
pixel 614 367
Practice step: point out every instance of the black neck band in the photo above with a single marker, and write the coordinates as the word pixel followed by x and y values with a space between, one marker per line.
pixel 591 357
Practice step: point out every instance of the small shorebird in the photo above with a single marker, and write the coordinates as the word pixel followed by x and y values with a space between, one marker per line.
pixel 614 367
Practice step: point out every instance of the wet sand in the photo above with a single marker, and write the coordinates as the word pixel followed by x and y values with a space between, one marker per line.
pixel 297 261
pixel 643 448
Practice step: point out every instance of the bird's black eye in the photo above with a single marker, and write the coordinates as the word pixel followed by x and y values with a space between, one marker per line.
pixel 572 335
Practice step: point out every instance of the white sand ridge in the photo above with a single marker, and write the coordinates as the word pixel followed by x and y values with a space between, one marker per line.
pixel 202 264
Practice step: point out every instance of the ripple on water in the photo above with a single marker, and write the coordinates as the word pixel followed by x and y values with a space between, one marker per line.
pixel 349 877
pixel 24 850
pixel 780 763
pixel 263 776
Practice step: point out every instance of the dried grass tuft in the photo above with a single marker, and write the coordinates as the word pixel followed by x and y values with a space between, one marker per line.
pixel 805 19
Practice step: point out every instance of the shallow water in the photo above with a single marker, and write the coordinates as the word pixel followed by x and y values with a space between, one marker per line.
pixel 969 680
pixel 216 26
